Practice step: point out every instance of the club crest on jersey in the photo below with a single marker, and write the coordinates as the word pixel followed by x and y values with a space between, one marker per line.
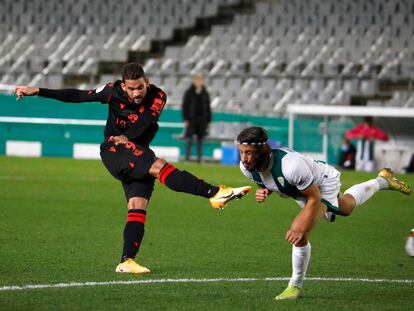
pixel 157 106
pixel 281 181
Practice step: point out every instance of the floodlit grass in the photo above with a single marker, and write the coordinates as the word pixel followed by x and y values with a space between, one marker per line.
pixel 62 220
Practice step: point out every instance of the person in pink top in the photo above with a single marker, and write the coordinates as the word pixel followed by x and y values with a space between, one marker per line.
pixel 367 134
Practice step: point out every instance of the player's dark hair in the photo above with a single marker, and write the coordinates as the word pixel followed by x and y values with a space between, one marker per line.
pixel 252 136
pixel 132 71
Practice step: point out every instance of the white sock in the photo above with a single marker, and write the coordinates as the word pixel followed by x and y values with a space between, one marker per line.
pixel 382 182
pixel 300 262
pixel 363 191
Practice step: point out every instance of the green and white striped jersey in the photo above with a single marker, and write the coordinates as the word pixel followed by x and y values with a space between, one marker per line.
pixel 288 173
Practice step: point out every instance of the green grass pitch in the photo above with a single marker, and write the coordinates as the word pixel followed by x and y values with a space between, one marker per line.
pixel 61 220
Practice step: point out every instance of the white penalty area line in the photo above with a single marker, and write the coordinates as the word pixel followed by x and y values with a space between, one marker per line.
pixel 213 280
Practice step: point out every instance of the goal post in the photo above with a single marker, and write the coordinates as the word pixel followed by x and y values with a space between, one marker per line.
pixel 326 112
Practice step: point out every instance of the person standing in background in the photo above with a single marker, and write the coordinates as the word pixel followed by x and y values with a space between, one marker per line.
pixel 367 134
pixel 347 155
pixel 196 115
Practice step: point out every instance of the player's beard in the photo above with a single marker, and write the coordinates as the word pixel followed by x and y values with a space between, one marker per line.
pixel 261 162
pixel 138 101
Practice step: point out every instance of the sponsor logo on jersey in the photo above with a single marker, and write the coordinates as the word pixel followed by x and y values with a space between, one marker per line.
pixel 281 181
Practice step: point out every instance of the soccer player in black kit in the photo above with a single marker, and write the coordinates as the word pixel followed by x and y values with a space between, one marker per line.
pixel 134 106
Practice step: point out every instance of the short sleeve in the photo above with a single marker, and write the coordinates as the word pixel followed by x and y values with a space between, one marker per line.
pixel 296 171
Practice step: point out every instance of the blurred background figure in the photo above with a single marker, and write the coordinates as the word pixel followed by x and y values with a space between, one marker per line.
pixel 409 245
pixel 367 134
pixel 410 167
pixel 196 114
pixel 347 155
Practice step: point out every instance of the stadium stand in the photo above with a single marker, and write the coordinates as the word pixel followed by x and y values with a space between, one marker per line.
pixel 258 56
pixel 319 51
pixel 279 53
pixel 44 41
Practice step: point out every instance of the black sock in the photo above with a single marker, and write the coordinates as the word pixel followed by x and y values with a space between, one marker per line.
pixel 133 233
pixel 183 181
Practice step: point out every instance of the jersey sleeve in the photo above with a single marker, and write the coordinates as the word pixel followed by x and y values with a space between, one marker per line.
pixel 296 171
pixel 148 117
pixel 208 108
pixel 185 106
pixel 101 94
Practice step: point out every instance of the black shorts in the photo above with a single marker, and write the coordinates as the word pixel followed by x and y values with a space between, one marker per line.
pixel 130 164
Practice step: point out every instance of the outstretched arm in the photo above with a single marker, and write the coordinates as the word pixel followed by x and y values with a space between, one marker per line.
pixel 65 95
pixel 308 217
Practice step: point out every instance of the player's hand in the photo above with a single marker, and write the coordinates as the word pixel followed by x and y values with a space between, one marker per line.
pixel 119 140
pixel 262 194
pixel 21 91
pixel 294 236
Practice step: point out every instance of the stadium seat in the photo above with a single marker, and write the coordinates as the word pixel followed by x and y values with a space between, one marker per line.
pixel 294 51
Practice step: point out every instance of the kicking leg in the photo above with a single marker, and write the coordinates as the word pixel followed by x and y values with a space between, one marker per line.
pixel 183 181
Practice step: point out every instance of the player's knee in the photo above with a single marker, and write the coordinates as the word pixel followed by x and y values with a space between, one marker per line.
pixel 156 167
pixel 347 204
pixel 137 203
pixel 346 212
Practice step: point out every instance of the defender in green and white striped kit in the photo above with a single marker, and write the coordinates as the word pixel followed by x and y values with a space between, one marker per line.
pixel 314 185
pixel 289 173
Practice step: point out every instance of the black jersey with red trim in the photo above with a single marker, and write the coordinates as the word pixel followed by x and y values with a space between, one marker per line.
pixel 138 122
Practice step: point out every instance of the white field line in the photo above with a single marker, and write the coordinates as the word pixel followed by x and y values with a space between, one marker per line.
pixel 216 280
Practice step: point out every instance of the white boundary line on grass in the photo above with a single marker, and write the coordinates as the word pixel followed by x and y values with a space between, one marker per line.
pixel 216 280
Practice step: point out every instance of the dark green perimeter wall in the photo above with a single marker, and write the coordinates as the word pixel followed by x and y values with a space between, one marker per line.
pixel 58 139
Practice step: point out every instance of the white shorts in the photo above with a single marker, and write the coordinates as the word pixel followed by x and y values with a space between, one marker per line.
pixel 329 188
